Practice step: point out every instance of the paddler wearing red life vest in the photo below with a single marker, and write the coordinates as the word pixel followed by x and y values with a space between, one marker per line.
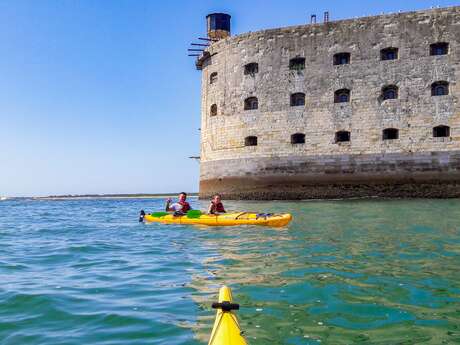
pixel 180 206
pixel 216 206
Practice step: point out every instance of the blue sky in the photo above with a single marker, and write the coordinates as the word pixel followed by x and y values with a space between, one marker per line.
pixel 101 97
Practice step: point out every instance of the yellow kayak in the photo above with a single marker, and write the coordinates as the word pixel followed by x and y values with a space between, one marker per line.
pixel 226 219
pixel 226 330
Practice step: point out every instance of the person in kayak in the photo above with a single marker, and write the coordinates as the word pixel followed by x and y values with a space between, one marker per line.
pixel 180 207
pixel 216 206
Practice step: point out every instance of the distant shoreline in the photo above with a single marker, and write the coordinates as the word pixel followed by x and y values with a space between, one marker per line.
pixel 110 196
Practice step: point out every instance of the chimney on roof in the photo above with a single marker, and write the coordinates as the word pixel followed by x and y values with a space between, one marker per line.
pixel 313 19
pixel 326 16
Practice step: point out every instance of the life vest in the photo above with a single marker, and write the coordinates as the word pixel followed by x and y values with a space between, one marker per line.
pixel 219 207
pixel 185 206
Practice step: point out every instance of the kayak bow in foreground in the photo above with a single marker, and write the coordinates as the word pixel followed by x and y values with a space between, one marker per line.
pixel 226 330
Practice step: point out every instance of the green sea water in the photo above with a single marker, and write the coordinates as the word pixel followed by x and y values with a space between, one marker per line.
pixel 343 272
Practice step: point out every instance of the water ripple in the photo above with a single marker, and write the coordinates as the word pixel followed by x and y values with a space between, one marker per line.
pixel 346 272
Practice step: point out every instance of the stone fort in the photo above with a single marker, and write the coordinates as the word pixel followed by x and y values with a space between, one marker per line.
pixel 350 108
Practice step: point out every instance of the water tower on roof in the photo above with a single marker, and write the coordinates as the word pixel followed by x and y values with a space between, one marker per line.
pixel 218 25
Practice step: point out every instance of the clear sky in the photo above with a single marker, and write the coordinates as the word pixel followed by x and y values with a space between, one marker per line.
pixel 101 97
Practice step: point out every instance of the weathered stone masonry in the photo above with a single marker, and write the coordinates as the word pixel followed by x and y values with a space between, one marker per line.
pixel 414 164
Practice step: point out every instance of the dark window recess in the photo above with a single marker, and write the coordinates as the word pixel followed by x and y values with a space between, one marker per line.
pixel 341 59
pixel 298 138
pixel 213 110
pixel 297 99
pixel 342 136
pixel 213 78
pixel 251 103
pixel 250 141
pixel 440 88
pixel 251 68
pixel 342 96
pixel 441 131
pixel 390 92
pixel 389 54
pixel 390 134
pixel 297 64
pixel 440 48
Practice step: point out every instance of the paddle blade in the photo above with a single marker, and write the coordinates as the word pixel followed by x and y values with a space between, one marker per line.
pixel 159 214
pixel 194 214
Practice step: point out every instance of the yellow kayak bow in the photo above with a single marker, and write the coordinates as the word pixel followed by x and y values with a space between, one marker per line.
pixel 226 330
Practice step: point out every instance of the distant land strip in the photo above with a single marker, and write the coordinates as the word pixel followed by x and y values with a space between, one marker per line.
pixel 111 196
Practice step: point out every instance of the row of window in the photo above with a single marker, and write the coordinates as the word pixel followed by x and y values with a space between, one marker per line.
pixel 438 88
pixel 344 58
pixel 390 53
pixel 345 136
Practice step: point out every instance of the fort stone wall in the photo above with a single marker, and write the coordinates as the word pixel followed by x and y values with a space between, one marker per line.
pixel 423 160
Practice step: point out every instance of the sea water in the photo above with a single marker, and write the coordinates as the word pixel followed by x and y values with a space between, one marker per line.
pixel 343 272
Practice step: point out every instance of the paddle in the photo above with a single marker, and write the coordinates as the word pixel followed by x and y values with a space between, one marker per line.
pixel 159 214
pixel 194 214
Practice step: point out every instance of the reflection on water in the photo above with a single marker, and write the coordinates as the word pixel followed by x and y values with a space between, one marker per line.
pixel 380 272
